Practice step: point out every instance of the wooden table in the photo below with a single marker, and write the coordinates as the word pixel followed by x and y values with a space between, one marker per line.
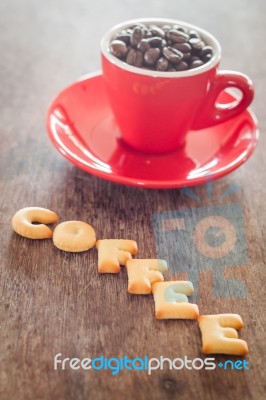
pixel 54 302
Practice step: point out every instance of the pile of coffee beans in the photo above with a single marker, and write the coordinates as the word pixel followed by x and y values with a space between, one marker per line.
pixel 161 48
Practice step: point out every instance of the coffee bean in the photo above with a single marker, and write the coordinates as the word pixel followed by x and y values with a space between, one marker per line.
pixel 156 31
pixel 172 55
pixel 155 41
pixel 163 43
pixel 196 64
pixel 196 44
pixel 140 25
pixel 148 34
pixel 118 48
pixel 162 64
pixel 182 66
pixel 207 58
pixel 187 57
pixel 177 36
pixel 166 27
pixel 137 35
pixel 124 37
pixel 143 45
pixel 184 47
pixel 194 58
pixel 162 48
pixel 194 34
pixel 152 56
pixel 206 50
pixel 135 58
pixel 180 28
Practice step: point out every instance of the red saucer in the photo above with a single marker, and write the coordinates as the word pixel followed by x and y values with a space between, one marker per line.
pixel 81 126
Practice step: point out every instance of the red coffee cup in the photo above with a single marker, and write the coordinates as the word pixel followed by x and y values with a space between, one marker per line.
pixel 155 110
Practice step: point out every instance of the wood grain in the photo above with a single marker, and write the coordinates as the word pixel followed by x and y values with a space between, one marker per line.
pixel 53 302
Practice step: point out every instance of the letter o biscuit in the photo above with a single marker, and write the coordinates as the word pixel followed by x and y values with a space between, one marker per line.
pixel 74 236
pixel 22 222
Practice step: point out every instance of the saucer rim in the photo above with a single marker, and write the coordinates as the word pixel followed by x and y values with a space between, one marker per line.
pixel 144 183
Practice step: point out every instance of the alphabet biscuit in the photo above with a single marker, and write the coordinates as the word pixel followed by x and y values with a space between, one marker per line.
pixel 74 236
pixel 171 300
pixel 142 273
pixel 22 222
pixel 114 252
pixel 219 335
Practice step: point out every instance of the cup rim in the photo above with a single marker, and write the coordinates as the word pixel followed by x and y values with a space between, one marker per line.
pixel 210 39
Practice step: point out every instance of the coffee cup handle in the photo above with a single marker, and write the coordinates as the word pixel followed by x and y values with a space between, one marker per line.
pixel 212 113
